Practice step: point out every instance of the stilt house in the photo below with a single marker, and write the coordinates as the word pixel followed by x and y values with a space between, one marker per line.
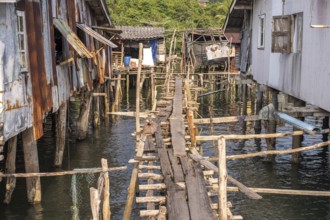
pixel 48 52
pixel 286 43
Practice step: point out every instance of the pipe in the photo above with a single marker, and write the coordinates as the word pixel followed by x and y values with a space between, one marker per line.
pixel 297 123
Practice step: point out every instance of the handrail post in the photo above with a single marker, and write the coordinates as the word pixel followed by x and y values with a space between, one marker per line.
pixel 222 191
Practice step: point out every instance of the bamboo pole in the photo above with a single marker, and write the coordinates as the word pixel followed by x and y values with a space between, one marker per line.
pixel 222 192
pixel 131 193
pixel 106 192
pixel 278 191
pixel 278 152
pixel 62 173
pixel 248 136
pixel 137 128
pixel 230 119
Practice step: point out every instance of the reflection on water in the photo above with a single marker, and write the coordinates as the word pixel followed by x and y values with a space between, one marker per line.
pixel 115 143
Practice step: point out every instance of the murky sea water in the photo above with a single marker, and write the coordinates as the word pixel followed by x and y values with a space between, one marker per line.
pixel 115 143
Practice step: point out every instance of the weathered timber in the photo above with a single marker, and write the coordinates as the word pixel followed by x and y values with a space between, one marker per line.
pixel 176 167
pixel 222 180
pixel 198 201
pixel 60 134
pixel 95 202
pixel 149 144
pixel 278 191
pixel 106 191
pixel 31 165
pixel 176 121
pixel 61 173
pixel 230 119
pixel 176 203
pixel 152 186
pixel 198 158
pixel 82 124
pixel 10 168
pixel 137 105
pixel 131 193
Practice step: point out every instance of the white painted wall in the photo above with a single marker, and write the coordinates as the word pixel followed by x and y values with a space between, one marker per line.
pixel 311 82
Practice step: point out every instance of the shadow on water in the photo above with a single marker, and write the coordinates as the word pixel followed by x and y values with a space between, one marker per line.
pixel 115 143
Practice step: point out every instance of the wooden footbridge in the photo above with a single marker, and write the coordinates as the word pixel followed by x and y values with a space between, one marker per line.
pixel 174 181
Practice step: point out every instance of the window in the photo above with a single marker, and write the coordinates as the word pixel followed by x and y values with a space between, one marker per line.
pixel 261 32
pixel 287 33
pixel 21 37
pixel 281 34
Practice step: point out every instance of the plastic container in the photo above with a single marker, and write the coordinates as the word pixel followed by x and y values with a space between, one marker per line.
pixel 127 60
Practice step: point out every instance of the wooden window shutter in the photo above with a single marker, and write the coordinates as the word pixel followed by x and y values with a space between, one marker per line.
pixel 281 34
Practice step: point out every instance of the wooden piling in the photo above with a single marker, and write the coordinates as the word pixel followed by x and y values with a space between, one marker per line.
pixel 60 134
pixel 296 140
pixel 257 125
pixel 137 128
pixel 271 143
pixel 83 119
pixel 222 192
pixel 10 168
pixel 106 191
pixel 31 165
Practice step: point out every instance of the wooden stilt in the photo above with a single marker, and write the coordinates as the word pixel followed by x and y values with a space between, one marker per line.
pixel 138 92
pixel 60 134
pixel 96 112
pixel 10 168
pixel 222 192
pixel 31 165
pixel 257 125
pixel 82 124
pixel 296 140
pixel 271 143
pixel 106 191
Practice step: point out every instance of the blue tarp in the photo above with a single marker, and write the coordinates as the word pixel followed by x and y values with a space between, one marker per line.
pixel 154 45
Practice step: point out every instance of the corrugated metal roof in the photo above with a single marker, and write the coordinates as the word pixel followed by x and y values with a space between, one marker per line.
pixel 96 35
pixel 140 33
pixel 72 38
pixel 233 37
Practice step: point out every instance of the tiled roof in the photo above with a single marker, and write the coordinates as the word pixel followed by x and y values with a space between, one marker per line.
pixel 140 33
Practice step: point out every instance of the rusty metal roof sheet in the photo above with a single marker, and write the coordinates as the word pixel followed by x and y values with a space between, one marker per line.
pixel 140 33
pixel 96 35
pixel 72 38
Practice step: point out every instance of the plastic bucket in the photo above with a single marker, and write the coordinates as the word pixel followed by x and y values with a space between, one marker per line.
pixel 127 60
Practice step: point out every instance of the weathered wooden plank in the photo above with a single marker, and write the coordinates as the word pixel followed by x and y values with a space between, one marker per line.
pixel 176 201
pixel 178 139
pixel 149 144
pixel 198 200
pixel 176 167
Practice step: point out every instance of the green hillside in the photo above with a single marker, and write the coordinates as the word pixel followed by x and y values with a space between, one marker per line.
pixel 171 14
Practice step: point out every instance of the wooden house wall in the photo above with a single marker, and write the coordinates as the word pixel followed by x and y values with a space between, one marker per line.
pixel 304 75
pixel 26 98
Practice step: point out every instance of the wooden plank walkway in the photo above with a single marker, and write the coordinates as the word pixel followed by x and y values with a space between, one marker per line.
pixel 182 178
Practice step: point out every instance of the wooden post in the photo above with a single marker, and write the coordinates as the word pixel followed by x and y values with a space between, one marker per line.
pixel 138 92
pixel 96 111
pixel 31 165
pixel 10 168
pixel 271 143
pixel 131 193
pixel 222 192
pixel 106 192
pixel 60 134
pixel 95 202
pixel 153 89
pixel 296 140
pixel 257 125
pixel 82 124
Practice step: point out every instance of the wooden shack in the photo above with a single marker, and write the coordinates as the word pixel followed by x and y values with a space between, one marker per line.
pixel 207 47
pixel 129 39
pixel 48 52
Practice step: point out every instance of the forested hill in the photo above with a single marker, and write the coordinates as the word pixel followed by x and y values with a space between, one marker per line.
pixel 171 14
